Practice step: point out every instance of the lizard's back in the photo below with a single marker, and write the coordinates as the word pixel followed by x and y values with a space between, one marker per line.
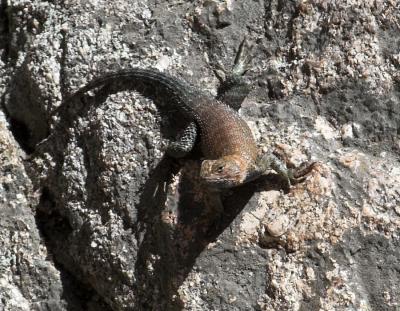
pixel 222 130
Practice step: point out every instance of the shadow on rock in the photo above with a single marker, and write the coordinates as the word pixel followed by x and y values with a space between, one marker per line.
pixel 171 228
pixel 172 234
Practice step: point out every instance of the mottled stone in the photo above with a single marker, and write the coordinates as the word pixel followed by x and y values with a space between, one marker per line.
pixel 278 226
pixel 130 229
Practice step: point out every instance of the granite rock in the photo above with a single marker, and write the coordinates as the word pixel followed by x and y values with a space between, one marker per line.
pixel 96 217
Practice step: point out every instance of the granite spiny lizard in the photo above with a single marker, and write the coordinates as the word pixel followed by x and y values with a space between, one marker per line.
pixel 227 143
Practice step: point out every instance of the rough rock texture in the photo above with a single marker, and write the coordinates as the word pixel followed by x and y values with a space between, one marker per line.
pixel 29 279
pixel 96 218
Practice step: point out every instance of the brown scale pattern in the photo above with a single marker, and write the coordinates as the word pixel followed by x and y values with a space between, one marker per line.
pixel 223 132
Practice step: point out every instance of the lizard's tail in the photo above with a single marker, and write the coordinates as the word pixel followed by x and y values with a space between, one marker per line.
pixel 150 82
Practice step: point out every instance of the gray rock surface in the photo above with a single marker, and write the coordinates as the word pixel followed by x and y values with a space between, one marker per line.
pixel 95 217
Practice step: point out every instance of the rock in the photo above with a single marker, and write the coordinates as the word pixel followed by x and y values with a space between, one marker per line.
pixel 278 227
pixel 96 218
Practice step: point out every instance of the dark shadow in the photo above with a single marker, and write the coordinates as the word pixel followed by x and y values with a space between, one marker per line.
pixel 178 245
pixel 54 227
pixel 4 30
pixel 18 128
pixel 21 134
pixel 154 237
pixel 170 246
pixel 25 110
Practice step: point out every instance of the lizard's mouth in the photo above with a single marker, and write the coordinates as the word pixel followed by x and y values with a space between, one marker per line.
pixel 221 183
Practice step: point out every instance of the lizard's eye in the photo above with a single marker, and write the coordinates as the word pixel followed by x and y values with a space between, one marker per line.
pixel 220 169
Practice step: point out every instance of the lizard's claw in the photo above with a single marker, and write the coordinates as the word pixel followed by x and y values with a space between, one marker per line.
pixel 300 174
pixel 240 66
pixel 242 59
pixel 220 71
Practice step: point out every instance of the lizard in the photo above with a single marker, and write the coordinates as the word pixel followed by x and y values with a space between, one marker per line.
pixel 231 157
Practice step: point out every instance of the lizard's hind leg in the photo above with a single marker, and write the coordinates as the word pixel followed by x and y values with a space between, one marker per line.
pixel 184 143
pixel 233 87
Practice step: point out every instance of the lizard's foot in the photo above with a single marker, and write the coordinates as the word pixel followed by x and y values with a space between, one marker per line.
pixel 185 142
pixel 290 176
pixel 300 174
pixel 240 66
pixel 242 59
pixel 296 174
pixel 233 87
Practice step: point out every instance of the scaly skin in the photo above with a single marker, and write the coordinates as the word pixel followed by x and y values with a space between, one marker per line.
pixel 229 148
pixel 227 145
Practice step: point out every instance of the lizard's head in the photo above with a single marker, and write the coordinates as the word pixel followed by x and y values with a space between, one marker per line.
pixel 225 172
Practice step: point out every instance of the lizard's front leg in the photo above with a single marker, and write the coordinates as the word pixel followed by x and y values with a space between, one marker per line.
pixel 184 143
pixel 270 161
